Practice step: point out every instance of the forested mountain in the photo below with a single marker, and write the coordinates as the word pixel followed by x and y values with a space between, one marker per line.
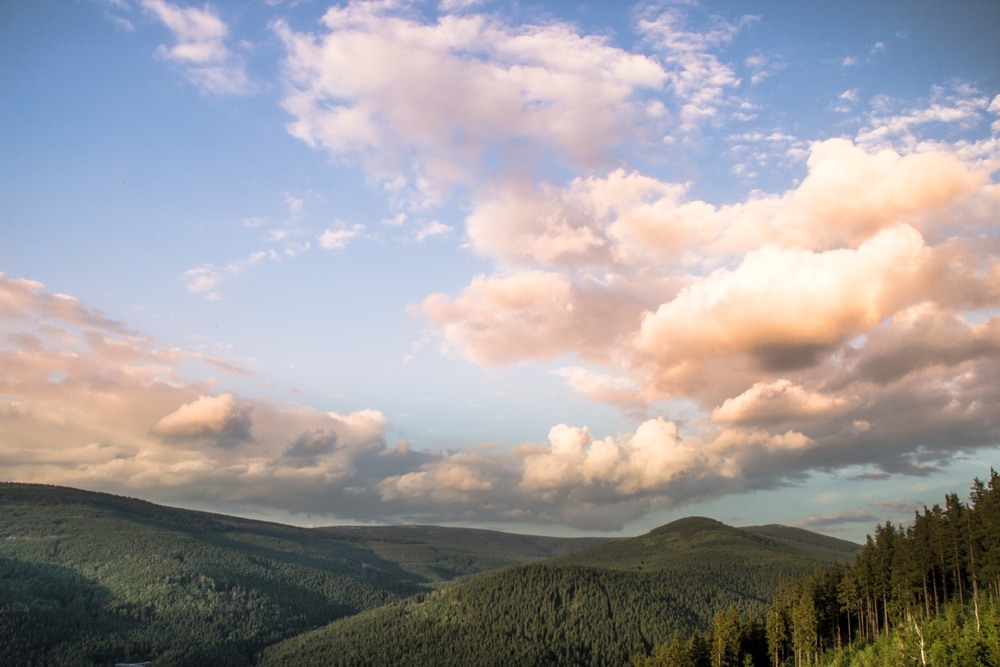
pixel 89 578
pixel 924 594
pixel 441 554
pixel 598 606
pixel 93 579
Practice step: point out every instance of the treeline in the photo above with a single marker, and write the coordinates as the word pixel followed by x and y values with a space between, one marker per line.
pixel 90 583
pixel 928 590
pixel 598 607
pixel 536 614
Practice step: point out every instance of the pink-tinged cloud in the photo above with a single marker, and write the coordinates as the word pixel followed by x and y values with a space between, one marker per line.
pixel 503 319
pixel 667 291
pixel 848 320
pixel 200 51
pixel 86 402
pixel 774 402
pixel 850 194
pixel 217 418
pixel 699 80
pixel 435 101
pixel 779 310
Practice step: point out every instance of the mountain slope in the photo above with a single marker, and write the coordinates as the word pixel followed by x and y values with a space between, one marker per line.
pixel 598 606
pixel 441 554
pixel 821 546
pixel 91 578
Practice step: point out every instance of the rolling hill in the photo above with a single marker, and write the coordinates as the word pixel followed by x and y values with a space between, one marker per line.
pixel 91 578
pixel 602 605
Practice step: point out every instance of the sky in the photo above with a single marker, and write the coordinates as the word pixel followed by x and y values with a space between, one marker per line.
pixel 549 267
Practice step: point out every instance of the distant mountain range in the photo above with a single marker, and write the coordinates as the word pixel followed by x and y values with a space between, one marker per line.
pixel 90 578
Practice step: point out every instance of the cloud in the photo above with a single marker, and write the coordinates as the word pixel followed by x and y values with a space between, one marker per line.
pixel 433 228
pixel 778 311
pixel 216 418
pixel 283 241
pixel 200 51
pixel 817 521
pixel 892 122
pixel 205 278
pixel 763 67
pixel 87 402
pixel 337 239
pixel 502 319
pixel 437 102
pixel 777 401
pixel 630 270
pixel 698 78
pixel 849 320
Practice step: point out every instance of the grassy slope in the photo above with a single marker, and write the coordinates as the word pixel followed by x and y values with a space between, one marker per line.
pixel 91 578
pixel 598 606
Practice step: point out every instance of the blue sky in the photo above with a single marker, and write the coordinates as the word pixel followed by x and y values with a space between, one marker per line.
pixel 555 267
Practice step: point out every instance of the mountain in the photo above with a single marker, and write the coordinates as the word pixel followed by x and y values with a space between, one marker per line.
pixel 441 554
pixel 92 578
pixel 602 605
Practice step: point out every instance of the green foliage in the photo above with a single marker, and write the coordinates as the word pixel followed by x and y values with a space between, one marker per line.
pixel 950 640
pixel 597 606
pixel 89 578
pixel 94 579
pixel 924 595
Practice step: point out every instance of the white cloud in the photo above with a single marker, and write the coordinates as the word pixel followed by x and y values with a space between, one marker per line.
pixel 200 50
pixel 87 403
pixel 429 101
pixel 205 278
pixel 698 78
pixel 433 228
pixel 814 327
pixel 337 239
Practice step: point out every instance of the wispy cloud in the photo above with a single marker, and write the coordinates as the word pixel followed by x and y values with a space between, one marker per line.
pixel 206 278
pixel 436 99
pixel 337 239
pixel 433 228
pixel 699 79
pixel 200 51
pixel 820 521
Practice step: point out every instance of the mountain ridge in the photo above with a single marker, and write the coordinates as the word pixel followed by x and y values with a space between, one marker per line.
pixel 122 579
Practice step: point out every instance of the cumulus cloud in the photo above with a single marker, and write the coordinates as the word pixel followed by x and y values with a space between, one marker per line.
pixel 850 319
pixel 216 418
pixel 847 319
pixel 200 50
pixel 87 402
pixel 777 401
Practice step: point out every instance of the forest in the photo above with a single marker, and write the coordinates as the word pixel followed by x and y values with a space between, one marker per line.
pixel 598 606
pixel 923 594
pixel 95 579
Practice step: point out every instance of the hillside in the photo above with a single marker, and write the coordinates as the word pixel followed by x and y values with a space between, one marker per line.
pixel 441 554
pixel 697 544
pixel 598 606
pixel 91 578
